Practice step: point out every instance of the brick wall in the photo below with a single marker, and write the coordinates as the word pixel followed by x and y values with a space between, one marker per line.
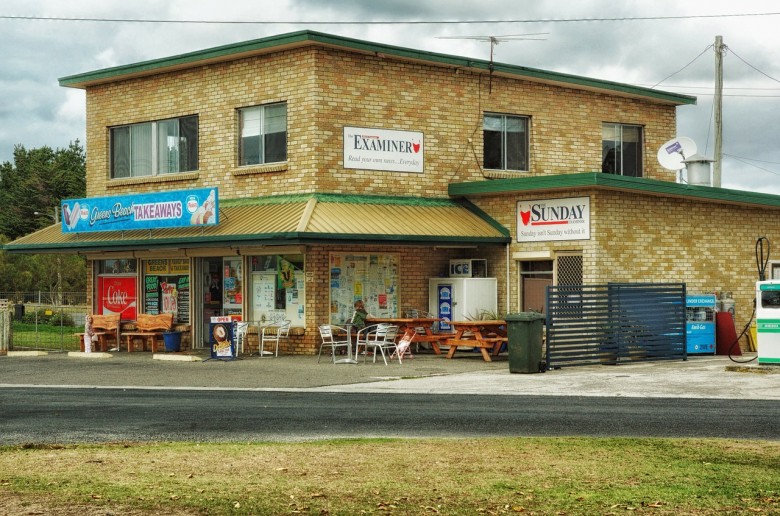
pixel 327 89
pixel 645 238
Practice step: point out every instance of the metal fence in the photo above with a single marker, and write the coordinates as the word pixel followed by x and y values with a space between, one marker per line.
pixel 611 323
pixel 46 321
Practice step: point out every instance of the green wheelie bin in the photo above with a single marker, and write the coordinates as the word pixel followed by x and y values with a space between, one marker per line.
pixel 524 331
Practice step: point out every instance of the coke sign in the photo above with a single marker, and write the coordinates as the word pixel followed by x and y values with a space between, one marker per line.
pixel 117 295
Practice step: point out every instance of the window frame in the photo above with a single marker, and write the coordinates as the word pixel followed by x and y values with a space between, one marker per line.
pixel 263 155
pixel 155 167
pixel 523 156
pixel 619 143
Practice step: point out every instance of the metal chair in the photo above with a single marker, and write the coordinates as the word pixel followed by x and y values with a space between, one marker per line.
pixel 271 333
pixel 335 337
pixel 381 338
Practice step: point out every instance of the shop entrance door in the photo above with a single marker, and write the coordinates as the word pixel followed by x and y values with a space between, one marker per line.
pixel 221 292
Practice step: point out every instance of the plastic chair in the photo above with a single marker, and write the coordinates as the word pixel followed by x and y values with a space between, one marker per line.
pixel 380 339
pixel 241 329
pixel 335 337
pixel 272 333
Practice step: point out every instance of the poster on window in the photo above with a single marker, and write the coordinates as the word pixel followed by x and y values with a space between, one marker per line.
pixel 546 220
pixel 372 277
pixel 117 295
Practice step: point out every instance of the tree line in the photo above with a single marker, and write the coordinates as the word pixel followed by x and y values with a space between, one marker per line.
pixel 31 189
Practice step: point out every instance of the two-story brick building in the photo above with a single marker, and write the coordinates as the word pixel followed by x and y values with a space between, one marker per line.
pixel 344 169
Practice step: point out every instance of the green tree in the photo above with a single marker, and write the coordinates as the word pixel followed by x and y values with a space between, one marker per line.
pixel 31 190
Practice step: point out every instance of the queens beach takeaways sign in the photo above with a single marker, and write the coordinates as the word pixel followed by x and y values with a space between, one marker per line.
pixel 381 149
pixel 553 219
pixel 178 208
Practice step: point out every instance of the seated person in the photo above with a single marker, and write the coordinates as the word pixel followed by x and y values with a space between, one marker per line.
pixel 359 317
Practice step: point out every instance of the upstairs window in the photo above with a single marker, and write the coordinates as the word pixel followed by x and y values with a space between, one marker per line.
pixel 505 142
pixel 621 149
pixel 263 134
pixel 155 148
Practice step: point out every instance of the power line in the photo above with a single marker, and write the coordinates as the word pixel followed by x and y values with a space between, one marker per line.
pixel 384 22
pixel 684 67
pixel 744 160
pixel 753 67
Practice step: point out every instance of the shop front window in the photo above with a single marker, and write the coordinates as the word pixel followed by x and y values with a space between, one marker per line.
pixel 167 288
pixel 116 291
pixel 278 289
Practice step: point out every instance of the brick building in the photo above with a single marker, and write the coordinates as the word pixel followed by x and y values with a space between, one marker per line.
pixel 345 169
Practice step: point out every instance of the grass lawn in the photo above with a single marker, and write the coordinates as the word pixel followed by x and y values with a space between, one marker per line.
pixel 45 336
pixel 430 476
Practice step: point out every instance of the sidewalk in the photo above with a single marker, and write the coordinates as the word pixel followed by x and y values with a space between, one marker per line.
pixel 698 377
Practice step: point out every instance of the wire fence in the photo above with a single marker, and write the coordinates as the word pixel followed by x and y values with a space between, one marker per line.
pixel 46 321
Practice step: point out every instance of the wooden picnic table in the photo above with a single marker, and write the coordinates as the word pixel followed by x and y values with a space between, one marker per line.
pixel 489 334
pixel 416 324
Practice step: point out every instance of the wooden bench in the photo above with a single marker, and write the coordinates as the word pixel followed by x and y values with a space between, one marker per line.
pixel 103 327
pixel 148 328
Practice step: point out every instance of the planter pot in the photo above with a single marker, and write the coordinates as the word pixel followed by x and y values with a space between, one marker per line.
pixel 172 340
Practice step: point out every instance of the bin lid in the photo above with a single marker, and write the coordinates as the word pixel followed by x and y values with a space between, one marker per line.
pixel 524 316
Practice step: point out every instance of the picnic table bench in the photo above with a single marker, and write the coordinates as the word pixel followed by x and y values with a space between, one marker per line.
pixel 148 328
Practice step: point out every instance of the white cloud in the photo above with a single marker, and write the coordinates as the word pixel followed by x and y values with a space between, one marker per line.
pixel 34 54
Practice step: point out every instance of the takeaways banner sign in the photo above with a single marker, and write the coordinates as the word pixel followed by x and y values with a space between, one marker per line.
pixel 383 149
pixel 553 219
pixel 180 208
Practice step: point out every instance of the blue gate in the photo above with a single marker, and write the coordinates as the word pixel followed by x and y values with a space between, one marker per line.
pixel 607 324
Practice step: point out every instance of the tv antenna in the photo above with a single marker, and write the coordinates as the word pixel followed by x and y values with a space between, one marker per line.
pixel 495 40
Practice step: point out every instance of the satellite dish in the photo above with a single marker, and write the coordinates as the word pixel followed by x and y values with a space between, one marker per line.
pixel 673 153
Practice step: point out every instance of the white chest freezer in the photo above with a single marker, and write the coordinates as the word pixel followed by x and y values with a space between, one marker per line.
pixel 461 299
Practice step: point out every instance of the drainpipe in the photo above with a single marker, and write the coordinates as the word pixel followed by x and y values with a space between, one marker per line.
pixel 507 277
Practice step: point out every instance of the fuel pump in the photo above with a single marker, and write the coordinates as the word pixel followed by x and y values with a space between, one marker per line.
pixel 767 309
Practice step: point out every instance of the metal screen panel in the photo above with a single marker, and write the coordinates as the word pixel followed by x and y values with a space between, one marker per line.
pixel 611 323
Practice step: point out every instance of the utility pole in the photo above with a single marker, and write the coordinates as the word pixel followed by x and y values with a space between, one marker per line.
pixel 720 49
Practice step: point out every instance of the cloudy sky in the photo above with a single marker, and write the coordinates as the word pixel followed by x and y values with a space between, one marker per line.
pixel 640 43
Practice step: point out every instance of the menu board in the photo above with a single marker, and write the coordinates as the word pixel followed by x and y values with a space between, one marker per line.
pixel 167 288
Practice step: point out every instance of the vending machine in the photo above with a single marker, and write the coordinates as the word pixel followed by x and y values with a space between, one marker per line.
pixel 768 321
pixel 700 323
pixel 461 299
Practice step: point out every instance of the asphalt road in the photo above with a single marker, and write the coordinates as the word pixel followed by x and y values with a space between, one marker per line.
pixel 72 415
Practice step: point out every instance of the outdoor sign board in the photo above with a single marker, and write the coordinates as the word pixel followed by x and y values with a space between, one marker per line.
pixel 117 295
pixel 178 208
pixel 383 149
pixel 545 220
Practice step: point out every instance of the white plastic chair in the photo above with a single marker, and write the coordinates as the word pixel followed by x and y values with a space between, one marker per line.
pixel 241 329
pixel 271 333
pixel 335 337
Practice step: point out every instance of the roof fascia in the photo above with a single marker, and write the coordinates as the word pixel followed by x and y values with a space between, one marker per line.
pixel 307 37
pixel 600 180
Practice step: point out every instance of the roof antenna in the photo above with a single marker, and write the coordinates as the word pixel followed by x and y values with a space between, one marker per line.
pixel 495 40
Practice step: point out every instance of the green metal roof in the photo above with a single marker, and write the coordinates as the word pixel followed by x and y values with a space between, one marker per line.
pixel 295 219
pixel 308 38
pixel 599 180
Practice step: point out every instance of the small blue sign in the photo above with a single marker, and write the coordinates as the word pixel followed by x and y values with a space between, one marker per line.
pixel 178 208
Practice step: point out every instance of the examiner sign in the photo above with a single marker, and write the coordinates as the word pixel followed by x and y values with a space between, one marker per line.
pixel 179 208
pixel 553 219
pixel 381 149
